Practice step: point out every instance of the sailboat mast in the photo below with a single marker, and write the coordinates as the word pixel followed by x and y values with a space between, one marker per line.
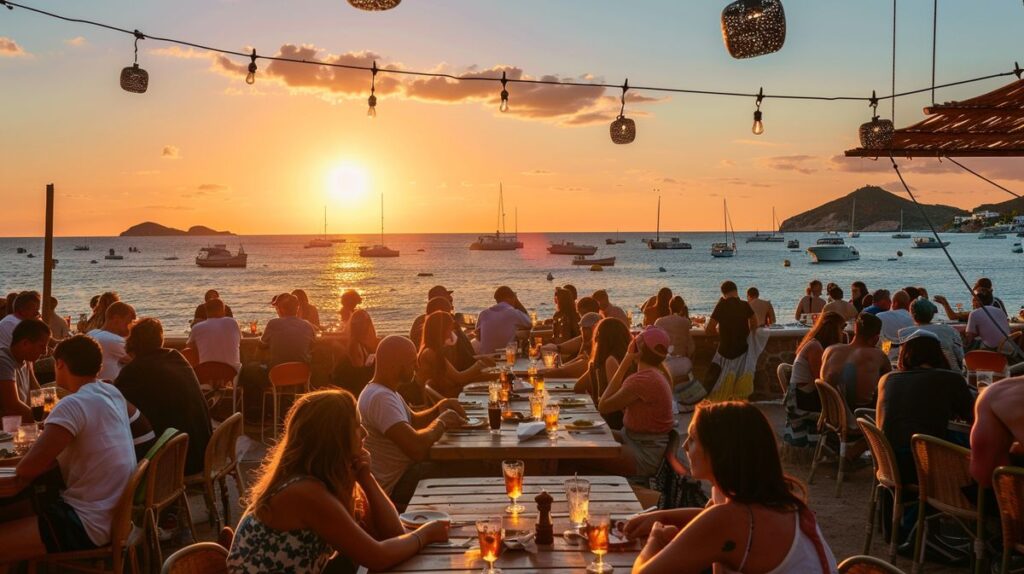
pixel 382 219
pixel 325 222
pixel 657 233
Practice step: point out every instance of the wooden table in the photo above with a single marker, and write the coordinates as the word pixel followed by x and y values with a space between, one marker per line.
pixel 480 444
pixel 470 499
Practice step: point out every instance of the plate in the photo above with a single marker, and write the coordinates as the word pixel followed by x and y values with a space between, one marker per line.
pixel 572 402
pixel 587 424
pixel 470 404
pixel 474 423
pixel 417 519
pixel 476 387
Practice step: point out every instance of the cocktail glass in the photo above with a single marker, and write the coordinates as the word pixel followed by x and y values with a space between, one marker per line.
pixel 513 472
pixel 577 493
pixel 489 534
pixel 597 539
pixel 551 420
pixel 537 403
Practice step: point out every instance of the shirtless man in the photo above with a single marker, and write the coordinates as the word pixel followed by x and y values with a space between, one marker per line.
pixel 998 428
pixel 855 368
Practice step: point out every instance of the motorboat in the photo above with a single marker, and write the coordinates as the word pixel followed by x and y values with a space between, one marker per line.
pixel 218 256
pixel 113 256
pixel 499 240
pixel 22 251
pixel 1017 248
pixel 81 248
pixel 929 243
pixel 603 262
pixel 853 229
pixel 724 248
pixel 901 234
pixel 672 243
pixel 378 250
pixel 832 249
pixel 992 233
pixel 793 244
pixel 570 248
pixel 319 242
pixel 772 237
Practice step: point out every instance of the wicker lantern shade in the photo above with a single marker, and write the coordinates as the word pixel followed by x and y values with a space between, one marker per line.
pixel 374 5
pixel 134 79
pixel 876 134
pixel 753 27
pixel 623 130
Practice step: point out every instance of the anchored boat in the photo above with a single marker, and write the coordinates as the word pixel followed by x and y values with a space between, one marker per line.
pixel 603 262
pixel 832 249
pixel 218 256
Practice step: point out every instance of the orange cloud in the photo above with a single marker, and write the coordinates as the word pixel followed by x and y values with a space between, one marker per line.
pixel 170 152
pixel 10 49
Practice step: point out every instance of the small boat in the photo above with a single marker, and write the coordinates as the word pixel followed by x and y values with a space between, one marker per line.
pixel 604 262
pixel 379 250
pixel 853 212
pixel 337 240
pixel 991 233
pixel 1017 248
pixel 22 251
pixel 81 248
pixel 30 256
pixel 550 277
pixel 113 256
pixel 218 256
pixel 570 248
pixel 500 240
pixel 929 243
pixel 672 243
pixel 421 251
pixel 319 242
pixel 724 249
pixel 596 268
pixel 661 269
pixel 93 262
pixel 901 234
pixel 793 244
pixel 772 237
pixel 786 263
pixel 615 240
pixel 424 274
pixel 171 258
pixel 832 249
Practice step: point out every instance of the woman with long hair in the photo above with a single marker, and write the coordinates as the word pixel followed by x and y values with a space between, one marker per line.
pixel 307 310
pixel 801 399
pixel 99 312
pixel 611 339
pixel 658 306
pixel 316 495
pixel 354 368
pixel 434 371
pixel 565 324
pixel 757 521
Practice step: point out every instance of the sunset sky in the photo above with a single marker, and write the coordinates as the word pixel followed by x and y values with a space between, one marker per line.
pixel 203 147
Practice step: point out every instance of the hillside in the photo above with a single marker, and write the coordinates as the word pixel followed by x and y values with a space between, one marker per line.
pixel 1014 206
pixel 877 210
pixel 150 229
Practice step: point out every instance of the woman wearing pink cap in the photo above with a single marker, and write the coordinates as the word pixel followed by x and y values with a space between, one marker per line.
pixel 646 399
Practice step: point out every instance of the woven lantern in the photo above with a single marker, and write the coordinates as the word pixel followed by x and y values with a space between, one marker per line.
pixel 623 130
pixel 876 134
pixel 134 79
pixel 374 5
pixel 753 27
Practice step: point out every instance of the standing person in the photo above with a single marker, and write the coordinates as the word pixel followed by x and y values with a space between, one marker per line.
pixel 355 365
pixel 753 524
pixel 119 318
pixel 350 299
pixel 763 309
pixel 657 307
pixel 922 310
pixel 896 318
pixel 731 369
pixel 839 305
pixel 565 325
pixel 87 436
pixel 803 405
pixel 679 361
pixel 434 371
pixel 855 368
pixel 26 306
pixel 307 311
pixel 988 327
pixel 499 324
pixel 607 309
pixel 161 384
pixel 611 339
pixel 17 378
pixel 217 338
pixel 811 302
pixel 201 312
pixel 59 328
pixel 857 292
pixel 997 426
pixel 880 301
pixel 99 312
pixel 316 495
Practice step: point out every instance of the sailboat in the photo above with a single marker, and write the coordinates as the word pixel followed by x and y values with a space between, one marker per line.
pixel 499 241
pixel 725 249
pixel 615 240
pixel 320 241
pixel 672 243
pixel 772 237
pixel 853 212
pixel 379 250
pixel 901 235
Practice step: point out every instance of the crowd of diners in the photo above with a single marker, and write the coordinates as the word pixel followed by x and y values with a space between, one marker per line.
pixel 352 452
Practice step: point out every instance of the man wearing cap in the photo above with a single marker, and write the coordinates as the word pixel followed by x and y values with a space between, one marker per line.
pixel 499 324
pixel 923 310
pixel 439 298
pixel 288 338
pixel 578 365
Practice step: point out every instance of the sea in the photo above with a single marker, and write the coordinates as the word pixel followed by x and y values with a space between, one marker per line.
pixel 394 290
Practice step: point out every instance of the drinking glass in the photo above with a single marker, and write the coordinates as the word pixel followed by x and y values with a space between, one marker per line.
pixel 984 378
pixel 538 384
pixel 494 391
pixel 533 318
pixel 886 346
pixel 38 412
pixel 11 424
pixel 488 532
pixel 49 400
pixel 551 420
pixel 537 401
pixel 597 538
pixel 534 354
pixel 577 492
pixel 24 438
pixel 253 327
pixel 549 358
pixel 510 353
pixel 494 417
pixel 513 471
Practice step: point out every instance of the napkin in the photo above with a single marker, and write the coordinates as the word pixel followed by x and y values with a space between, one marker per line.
pixel 526 431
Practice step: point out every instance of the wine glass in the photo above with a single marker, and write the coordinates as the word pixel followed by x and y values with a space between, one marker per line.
pixel 577 493
pixel 597 539
pixel 513 472
pixel 488 532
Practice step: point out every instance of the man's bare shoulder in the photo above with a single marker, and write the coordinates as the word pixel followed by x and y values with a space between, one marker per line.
pixel 1007 392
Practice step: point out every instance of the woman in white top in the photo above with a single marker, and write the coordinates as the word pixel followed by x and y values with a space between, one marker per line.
pixel 757 521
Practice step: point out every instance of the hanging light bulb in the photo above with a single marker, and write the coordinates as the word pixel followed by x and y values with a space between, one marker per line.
pixel 753 27
pixel 758 127
pixel 372 100
pixel 133 78
pixel 250 78
pixel 504 93
pixel 876 134
pixel 374 5
pixel 623 129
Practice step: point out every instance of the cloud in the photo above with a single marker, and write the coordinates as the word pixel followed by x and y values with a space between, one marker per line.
pixel 213 187
pixel 921 165
pixel 77 41
pixel 538 172
pixel 737 181
pixel 170 152
pixel 10 49
pixel 170 207
pixel 188 53
pixel 797 163
pixel 569 188
pixel 758 142
pixel 726 163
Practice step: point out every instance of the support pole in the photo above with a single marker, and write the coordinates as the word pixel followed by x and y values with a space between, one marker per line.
pixel 48 254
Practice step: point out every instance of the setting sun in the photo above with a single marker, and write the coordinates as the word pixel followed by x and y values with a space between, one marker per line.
pixel 348 183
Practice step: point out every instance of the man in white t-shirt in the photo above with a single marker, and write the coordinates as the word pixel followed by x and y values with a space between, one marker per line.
pixel 17 377
pixel 118 322
pixel 897 317
pixel 397 436
pixel 87 434
pixel 26 306
pixel 217 338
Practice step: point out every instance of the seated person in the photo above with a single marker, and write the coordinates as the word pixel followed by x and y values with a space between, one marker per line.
pixel 355 364
pixel 87 434
pixel 998 431
pixel 29 341
pixel 896 318
pixel 434 372
pixel 307 311
pixel 59 328
pixel 24 305
pixel 202 312
pixel 499 325
pixel 161 383
pixel 803 405
pixel 119 317
pixel 611 339
pixel 576 366
pixel 988 327
pixel 217 338
pixel 607 309
pixel 922 310
pixel 855 368
pixel 751 525
pixel 839 305
pixel 763 309
pixel 677 324
pixel 811 302
pixel 289 338
pixel 462 354
pixel 316 496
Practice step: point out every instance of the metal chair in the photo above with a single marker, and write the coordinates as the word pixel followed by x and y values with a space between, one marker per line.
pixel 124 537
pixel 286 379
pixel 191 355
pixel 214 379
pixel 943 470
pixel 833 421
pixel 867 565
pixel 784 372
pixel 221 461
pixel 165 486
pixel 1008 483
pixel 887 478
pixel 986 361
pixel 199 558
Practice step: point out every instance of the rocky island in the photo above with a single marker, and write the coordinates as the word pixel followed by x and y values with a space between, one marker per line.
pixel 877 210
pixel 151 229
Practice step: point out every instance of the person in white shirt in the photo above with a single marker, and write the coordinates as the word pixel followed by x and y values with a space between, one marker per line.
pixel 17 377
pixel 950 340
pixel 26 306
pixel 87 434
pixel 988 327
pixel 117 322
pixel 397 436
pixel 216 339
pixel 59 328
pixel 896 318
pixel 498 325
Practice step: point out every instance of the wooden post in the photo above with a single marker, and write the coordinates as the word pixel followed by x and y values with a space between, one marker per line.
pixel 48 254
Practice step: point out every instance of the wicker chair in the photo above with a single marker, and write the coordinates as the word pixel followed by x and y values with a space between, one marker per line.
pixel 199 558
pixel 165 486
pixel 943 469
pixel 1008 483
pixel 867 565
pixel 220 462
pixel 833 420
pixel 887 478
pixel 286 379
pixel 124 537
pixel 784 372
pixel 216 378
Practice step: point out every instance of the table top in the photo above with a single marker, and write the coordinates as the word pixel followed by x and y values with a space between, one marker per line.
pixel 469 499
pixel 480 444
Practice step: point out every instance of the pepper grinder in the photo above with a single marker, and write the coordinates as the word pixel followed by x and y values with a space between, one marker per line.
pixel 545 530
